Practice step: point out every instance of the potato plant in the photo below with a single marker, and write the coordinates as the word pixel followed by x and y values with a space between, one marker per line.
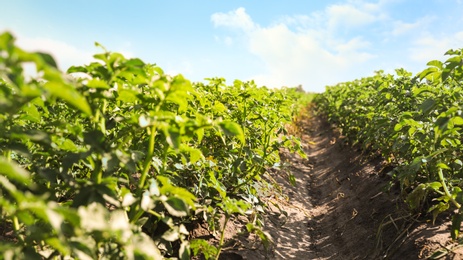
pixel 114 159
pixel 414 122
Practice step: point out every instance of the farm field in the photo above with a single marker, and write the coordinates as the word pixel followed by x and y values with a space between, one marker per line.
pixel 122 160
pixel 342 209
pixel 116 159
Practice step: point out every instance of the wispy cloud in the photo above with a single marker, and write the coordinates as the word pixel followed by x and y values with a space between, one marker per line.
pixel 348 16
pixel 304 49
pixel 227 40
pixel 65 54
pixel 342 42
pixel 400 28
pixel 431 46
pixel 235 19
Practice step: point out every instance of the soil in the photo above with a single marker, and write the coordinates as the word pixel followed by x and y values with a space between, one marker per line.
pixel 342 207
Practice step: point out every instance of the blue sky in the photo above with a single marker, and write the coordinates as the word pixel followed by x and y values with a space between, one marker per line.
pixel 276 43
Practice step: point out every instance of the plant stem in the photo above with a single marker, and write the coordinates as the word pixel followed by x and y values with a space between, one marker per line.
pixel 148 159
pixel 135 211
pixel 102 119
pixel 446 190
pixel 17 227
pixel 7 154
pixel 222 236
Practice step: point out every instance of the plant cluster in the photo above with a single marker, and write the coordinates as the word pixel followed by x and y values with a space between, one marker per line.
pixel 414 122
pixel 114 159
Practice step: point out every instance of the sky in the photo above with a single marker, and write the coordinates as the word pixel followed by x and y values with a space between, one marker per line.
pixel 273 42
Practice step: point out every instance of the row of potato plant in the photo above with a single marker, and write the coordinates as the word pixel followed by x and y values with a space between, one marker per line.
pixel 414 122
pixel 115 159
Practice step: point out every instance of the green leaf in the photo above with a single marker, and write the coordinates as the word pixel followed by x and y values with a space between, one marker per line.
pixel 459 162
pixel 65 144
pixel 443 166
pixel 173 137
pixel 69 94
pixel 457 120
pixel 213 182
pixel 265 237
pixel 127 96
pixel 202 246
pixel 200 134
pixel 176 207
pixel 74 69
pixel 58 245
pixel 184 251
pixel 415 197
pixel 31 113
pixel 144 247
pixel 219 107
pixel 135 62
pixel 435 185
pixel 435 63
pixel 94 217
pixel 6 41
pixel 232 129
pixel 456 225
pixel 432 73
pixel 171 235
pixel 82 249
pixel 194 154
pixel 292 179
pixel 14 171
pixel 437 209
pixel 98 84
pixel 48 59
pixel 427 105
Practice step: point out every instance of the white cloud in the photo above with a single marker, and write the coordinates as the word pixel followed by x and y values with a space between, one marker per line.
pixel 65 54
pixel 296 58
pixel 352 45
pixel 300 21
pixel 401 28
pixel 348 16
pixel 126 50
pixel 184 67
pixel 227 40
pixel 339 43
pixel 433 46
pixel 235 19
pixel 303 49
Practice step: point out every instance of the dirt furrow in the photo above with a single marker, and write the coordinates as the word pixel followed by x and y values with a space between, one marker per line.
pixel 337 205
pixel 341 209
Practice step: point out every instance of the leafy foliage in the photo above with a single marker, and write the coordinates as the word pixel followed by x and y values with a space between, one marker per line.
pixel 415 123
pixel 115 158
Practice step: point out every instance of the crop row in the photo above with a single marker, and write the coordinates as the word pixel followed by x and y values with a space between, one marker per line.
pixel 413 122
pixel 116 159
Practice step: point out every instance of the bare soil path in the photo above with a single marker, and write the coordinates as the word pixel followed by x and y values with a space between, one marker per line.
pixel 340 209
pixel 337 205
